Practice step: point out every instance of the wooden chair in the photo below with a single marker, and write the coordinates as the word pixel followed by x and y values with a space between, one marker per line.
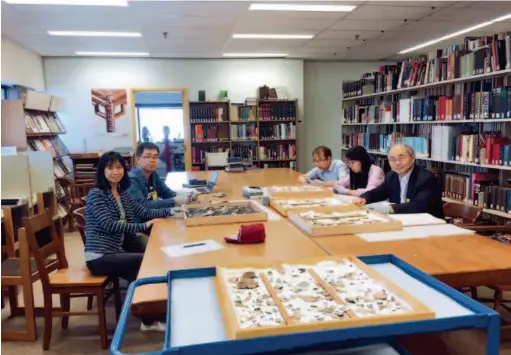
pixel 75 194
pixel 79 216
pixel 48 200
pixel 18 269
pixel 467 214
pixel 498 290
pixel 66 282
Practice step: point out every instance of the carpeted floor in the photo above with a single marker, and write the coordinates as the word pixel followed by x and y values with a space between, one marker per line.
pixel 82 336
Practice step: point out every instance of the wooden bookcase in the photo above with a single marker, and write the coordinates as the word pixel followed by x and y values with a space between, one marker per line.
pixel 85 164
pixel 260 133
pixel 30 122
pixel 473 109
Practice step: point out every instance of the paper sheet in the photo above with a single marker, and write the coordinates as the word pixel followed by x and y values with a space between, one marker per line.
pixel 417 219
pixel 178 250
pixel 439 230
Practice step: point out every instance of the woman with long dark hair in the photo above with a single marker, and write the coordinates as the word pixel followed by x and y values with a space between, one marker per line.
pixel 363 174
pixel 110 229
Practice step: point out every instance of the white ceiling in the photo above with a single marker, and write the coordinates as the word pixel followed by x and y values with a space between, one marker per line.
pixel 203 29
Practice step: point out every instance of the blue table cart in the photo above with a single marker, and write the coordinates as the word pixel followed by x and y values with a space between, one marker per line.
pixel 195 325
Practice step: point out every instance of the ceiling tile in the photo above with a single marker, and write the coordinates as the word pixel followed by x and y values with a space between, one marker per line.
pixel 361 25
pixel 349 34
pixel 412 3
pixel 371 12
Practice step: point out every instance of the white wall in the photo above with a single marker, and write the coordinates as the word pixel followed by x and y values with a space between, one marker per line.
pixel 323 103
pixel 72 79
pixel 21 66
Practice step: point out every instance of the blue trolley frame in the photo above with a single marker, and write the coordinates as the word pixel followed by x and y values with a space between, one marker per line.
pixel 482 318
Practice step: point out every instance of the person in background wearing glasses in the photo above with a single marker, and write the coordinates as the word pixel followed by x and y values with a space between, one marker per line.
pixel 327 171
pixel 146 186
pixel 408 187
pixel 363 175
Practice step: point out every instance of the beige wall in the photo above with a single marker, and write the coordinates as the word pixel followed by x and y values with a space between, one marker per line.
pixel 21 66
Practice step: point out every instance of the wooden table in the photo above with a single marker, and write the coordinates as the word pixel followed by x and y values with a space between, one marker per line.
pixel 467 260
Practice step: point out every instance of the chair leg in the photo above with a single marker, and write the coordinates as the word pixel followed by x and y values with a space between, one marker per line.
pixel 28 300
pixel 473 293
pixel 90 300
pixel 48 325
pixel 13 298
pixel 117 298
pixel 65 304
pixel 497 300
pixel 102 319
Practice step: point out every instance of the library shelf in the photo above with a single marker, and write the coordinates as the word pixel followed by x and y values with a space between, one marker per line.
pixel 243 140
pixel 211 142
pixel 44 134
pixel 431 85
pixel 492 120
pixel 276 121
pixel 487 166
pixel 209 122
pixel 270 160
pixel 276 139
pixel 247 121
pixel 485 210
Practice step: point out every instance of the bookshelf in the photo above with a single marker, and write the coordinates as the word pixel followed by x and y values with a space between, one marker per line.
pixel 262 132
pixel 33 125
pixel 85 164
pixel 453 106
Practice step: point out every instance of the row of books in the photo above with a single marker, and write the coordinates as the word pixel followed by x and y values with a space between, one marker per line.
pixel 54 145
pixel 381 142
pixel 279 164
pixel 207 113
pixel 275 111
pixel 278 131
pixel 208 133
pixel 246 152
pixel 59 190
pixel 243 113
pixel 450 143
pixel 480 105
pixel 60 169
pixel 43 122
pixel 277 152
pixel 244 132
pixel 478 189
pixel 199 153
pixel 478 55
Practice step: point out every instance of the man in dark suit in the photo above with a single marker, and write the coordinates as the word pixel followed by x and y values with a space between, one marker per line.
pixel 408 187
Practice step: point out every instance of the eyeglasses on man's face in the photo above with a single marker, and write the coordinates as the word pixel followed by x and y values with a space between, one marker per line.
pixel 150 157
pixel 399 159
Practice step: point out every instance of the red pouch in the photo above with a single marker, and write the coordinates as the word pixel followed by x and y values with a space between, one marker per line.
pixel 249 234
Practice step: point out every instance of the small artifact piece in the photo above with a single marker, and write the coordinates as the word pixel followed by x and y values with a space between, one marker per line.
pixel 247 281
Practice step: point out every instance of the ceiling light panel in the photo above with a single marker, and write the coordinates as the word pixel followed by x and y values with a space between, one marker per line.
pixel 70 2
pixel 456 34
pixel 255 55
pixel 271 36
pixel 302 7
pixel 94 34
pixel 113 54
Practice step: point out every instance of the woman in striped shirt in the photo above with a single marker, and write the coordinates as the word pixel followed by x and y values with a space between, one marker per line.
pixel 110 229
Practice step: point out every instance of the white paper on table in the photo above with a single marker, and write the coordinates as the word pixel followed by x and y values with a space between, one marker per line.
pixel 176 251
pixel 417 219
pixel 439 230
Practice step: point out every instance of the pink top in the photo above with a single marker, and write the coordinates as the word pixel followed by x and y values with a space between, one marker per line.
pixel 375 179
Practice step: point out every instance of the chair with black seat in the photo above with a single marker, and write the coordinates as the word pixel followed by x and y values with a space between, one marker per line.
pixel 65 281
pixel 18 269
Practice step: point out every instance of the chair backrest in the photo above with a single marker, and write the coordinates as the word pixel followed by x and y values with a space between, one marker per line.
pixel 469 214
pixel 12 222
pixel 218 159
pixel 47 200
pixel 80 222
pixel 44 242
pixel 75 191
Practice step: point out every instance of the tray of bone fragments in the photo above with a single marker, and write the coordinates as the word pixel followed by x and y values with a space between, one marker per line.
pixel 332 222
pixel 299 191
pixel 310 295
pixel 223 212
pixel 294 205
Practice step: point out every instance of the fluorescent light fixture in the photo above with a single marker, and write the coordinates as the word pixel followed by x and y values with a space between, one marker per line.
pixel 255 55
pixel 70 2
pixel 299 7
pixel 94 34
pixel 114 54
pixel 456 34
pixel 270 36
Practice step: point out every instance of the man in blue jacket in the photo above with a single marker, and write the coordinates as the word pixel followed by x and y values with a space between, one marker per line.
pixel 146 186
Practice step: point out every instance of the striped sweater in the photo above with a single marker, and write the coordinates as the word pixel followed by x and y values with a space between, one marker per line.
pixel 103 231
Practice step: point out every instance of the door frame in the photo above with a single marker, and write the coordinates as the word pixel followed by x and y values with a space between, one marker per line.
pixel 186 120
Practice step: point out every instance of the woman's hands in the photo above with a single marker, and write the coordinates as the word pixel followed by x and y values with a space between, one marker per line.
pixel 148 224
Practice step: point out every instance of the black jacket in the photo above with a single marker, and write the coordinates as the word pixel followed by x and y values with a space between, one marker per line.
pixel 423 195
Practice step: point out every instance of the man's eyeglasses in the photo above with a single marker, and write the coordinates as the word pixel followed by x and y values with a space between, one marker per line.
pixel 150 157
pixel 400 159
